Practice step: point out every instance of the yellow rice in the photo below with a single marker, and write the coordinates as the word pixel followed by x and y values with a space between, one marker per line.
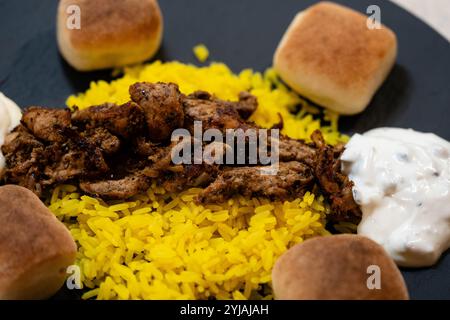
pixel 201 52
pixel 164 246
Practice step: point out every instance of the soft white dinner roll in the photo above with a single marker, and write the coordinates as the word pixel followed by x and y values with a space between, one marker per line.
pixel 35 247
pixel 348 267
pixel 330 56
pixel 112 33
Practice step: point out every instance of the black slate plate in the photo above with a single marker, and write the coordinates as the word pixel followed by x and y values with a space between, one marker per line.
pixel 244 34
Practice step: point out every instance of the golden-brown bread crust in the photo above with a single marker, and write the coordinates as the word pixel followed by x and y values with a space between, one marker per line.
pixel 330 55
pixel 114 23
pixel 335 267
pixel 35 247
pixel 112 33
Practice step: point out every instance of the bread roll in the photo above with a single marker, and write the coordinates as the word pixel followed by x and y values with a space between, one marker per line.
pixel 329 55
pixel 337 267
pixel 35 247
pixel 112 33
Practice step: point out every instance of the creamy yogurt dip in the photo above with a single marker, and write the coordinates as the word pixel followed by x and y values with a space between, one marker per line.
pixel 402 184
pixel 10 116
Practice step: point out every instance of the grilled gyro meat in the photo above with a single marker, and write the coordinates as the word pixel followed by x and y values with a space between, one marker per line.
pixel 70 165
pixel 332 182
pixel 46 123
pixel 162 104
pixel 144 147
pixel 245 107
pixel 213 113
pixel 123 188
pixel 23 154
pixel 290 180
pixel 191 173
pixel 38 156
pixel 178 178
pixel 124 121
pixel 296 150
pixel 222 115
pixel 117 151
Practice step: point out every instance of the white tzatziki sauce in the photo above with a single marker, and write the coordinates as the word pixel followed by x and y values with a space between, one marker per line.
pixel 10 116
pixel 402 184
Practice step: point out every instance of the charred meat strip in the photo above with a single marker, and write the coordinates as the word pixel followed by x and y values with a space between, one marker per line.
pixel 103 139
pixel 332 182
pixel 162 104
pixel 46 123
pixel 23 153
pixel 39 163
pixel 214 114
pixel 296 150
pixel 291 180
pixel 144 147
pixel 117 189
pixel 18 143
pixel 66 166
pixel 245 107
pixel 176 177
pixel 222 115
pixel 179 178
pixel 124 121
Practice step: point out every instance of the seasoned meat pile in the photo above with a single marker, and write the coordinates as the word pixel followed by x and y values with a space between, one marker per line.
pixel 116 151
